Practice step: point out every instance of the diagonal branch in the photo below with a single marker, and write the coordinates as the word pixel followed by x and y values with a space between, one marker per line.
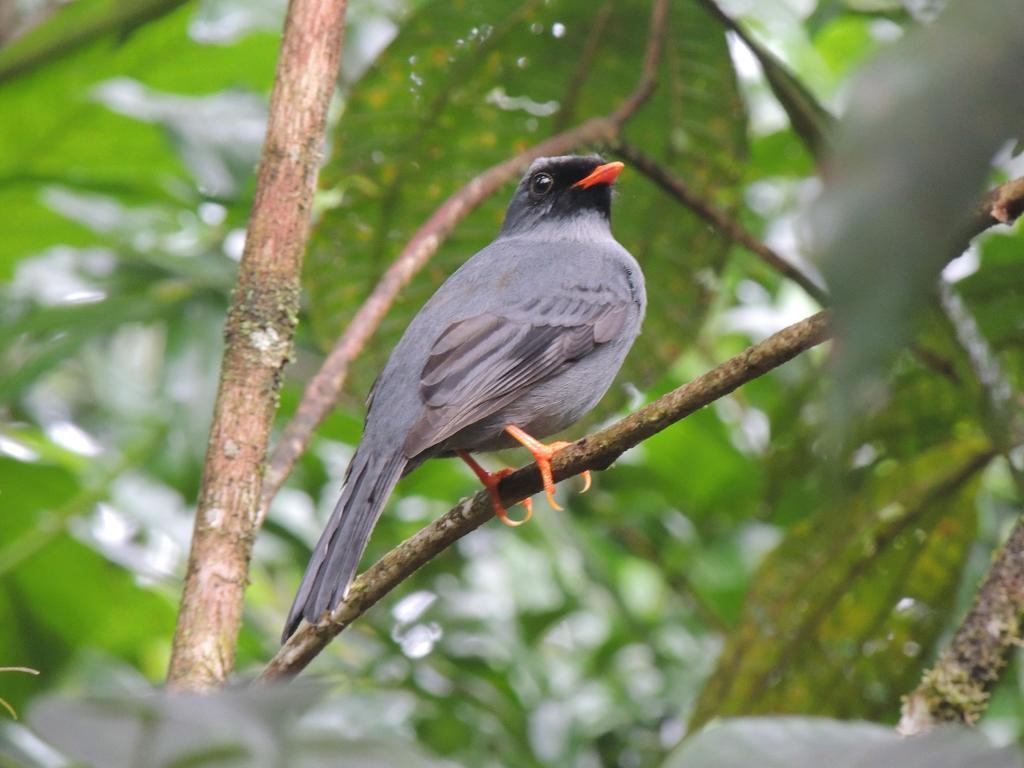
pixel 596 451
pixel 258 335
pixel 810 120
pixel 719 219
pixel 323 389
pixel 957 688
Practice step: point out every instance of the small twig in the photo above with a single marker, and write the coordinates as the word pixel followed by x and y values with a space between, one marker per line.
pixel 1006 198
pixel 3 702
pixel 1002 205
pixel 323 389
pixel 719 219
pixel 258 334
pixel 596 451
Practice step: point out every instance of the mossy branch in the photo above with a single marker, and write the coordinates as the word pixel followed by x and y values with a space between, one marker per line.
pixel 258 335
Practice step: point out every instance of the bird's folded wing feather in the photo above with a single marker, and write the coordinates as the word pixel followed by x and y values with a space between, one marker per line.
pixel 484 362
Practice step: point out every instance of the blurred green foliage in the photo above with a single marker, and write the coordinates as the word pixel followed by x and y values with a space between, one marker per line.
pixel 741 562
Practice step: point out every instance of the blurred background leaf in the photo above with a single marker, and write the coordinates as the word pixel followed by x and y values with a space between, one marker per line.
pixel 845 611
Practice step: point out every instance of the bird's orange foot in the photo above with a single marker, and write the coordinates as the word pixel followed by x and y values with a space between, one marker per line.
pixel 542 454
pixel 490 481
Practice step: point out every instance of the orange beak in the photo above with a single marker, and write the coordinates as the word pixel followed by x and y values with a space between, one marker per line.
pixel 603 174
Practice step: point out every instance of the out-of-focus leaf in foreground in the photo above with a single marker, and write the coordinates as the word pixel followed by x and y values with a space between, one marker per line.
pixel 843 612
pixel 251 727
pixel 913 155
pixel 467 85
pixel 806 742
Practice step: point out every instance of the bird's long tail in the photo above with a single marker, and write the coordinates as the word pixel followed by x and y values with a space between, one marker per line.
pixel 369 482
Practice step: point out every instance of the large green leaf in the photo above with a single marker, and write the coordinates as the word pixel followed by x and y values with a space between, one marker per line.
pixel 466 85
pixel 843 613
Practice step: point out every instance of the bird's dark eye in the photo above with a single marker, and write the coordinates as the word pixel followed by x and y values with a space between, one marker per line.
pixel 541 184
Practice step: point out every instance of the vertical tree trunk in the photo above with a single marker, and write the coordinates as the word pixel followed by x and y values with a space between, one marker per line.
pixel 258 335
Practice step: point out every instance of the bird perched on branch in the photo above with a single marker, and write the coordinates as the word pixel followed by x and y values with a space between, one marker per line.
pixel 519 343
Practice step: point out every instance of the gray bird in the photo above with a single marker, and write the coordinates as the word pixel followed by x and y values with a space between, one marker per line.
pixel 520 342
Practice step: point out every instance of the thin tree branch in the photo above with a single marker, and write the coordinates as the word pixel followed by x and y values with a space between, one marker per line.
pixel 258 334
pixel 323 389
pixel 3 702
pixel 1002 205
pixel 596 451
pixel 810 120
pixel 719 219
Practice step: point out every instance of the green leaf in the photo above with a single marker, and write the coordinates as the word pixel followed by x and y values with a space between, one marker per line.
pixel 843 613
pixel 812 742
pixel 52 621
pixel 77 142
pixel 76 25
pixel 462 88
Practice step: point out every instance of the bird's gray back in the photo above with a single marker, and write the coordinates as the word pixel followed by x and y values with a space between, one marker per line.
pixel 505 278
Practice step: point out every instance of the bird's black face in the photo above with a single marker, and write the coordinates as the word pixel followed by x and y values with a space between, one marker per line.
pixel 563 191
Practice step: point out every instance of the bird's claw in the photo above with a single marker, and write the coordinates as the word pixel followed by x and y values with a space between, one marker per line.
pixel 542 454
pixel 490 481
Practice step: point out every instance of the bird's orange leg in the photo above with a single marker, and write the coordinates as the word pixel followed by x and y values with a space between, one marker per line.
pixel 490 481
pixel 542 453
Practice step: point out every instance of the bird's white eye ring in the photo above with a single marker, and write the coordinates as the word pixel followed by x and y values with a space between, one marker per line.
pixel 541 184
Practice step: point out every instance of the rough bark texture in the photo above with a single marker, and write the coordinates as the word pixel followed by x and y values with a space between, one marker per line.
pixel 323 389
pixel 957 688
pixel 596 451
pixel 258 337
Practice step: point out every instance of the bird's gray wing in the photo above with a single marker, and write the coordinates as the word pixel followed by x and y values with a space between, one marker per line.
pixel 481 363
